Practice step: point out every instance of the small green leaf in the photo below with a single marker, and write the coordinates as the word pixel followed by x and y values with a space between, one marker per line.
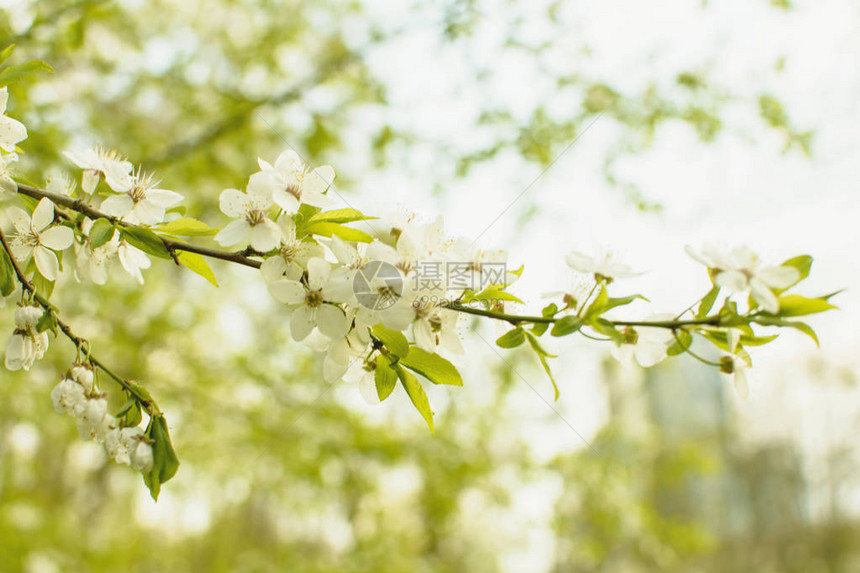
pixel 708 302
pixel 622 301
pixel 146 241
pixel 198 264
pixel 566 325
pixel 186 227
pixel 796 305
pixel 340 216
pixel 8 279
pixel 385 377
pixel 14 73
pixel 101 232
pixel 492 292
pixel 7 51
pixel 432 366
pixel 47 322
pixel 129 415
pixel 393 340
pixel 767 320
pixel 164 460
pixel 542 356
pixel 345 233
pixel 548 311
pixel 416 394
pixel 512 338
pixel 606 328
pixel 598 305
pixel 682 342
pixel 42 285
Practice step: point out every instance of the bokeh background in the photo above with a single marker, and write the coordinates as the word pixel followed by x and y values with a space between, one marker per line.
pixel 539 127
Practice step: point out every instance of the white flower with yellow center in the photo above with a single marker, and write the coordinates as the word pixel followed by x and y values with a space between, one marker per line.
pixel 316 300
pixel 140 201
pixel 291 182
pixel 34 237
pixel 133 260
pixel 12 131
pixel 292 255
pixel 253 223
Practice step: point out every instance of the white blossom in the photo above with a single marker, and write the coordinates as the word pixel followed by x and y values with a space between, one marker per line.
pixel 12 131
pixel 317 298
pixel 740 271
pixel 7 184
pixel 648 345
pixel 733 366
pixel 290 182
pixel 92 263
pixel 34 237
pixel 91 421
pixel 26 345
pixel 95 161
pixel 68 396
pixel 606 265
pixel 140 453
pixel 292 255
pixel 253 224
pixel 140 201
pixel 133 260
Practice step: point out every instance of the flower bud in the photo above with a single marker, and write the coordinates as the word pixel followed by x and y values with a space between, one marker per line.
pixel 83 375
pixel 727 365
pixel 28 316
pixel 141 457
pixel 66 396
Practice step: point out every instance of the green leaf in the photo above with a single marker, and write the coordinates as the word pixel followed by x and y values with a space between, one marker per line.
pixel 48 321
pixel 7 51
pixel 606 328
pixel 345 233
pixel 14 73
pixel 186 227
pixel 198 264
pixel 340 216
pixel 796 305
pixel 766 320
pixel 42 285
pixel 622 301
pixel 566 325
pixel 708 302
pixel 548 311
pixel 598 305
pixel 385 377
pixel 512 338
pixel 542 356
pixel 129 415
pixel 416 394
pixel 101 232
pixel 682 342
pixel 720 339
pixel 492 292
pixel 8 279
pixel 146 241
pixel 393 340
pixel 432 366
pixel 164 460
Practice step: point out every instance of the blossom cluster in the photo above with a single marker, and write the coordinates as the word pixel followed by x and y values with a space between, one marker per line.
pixel 77 395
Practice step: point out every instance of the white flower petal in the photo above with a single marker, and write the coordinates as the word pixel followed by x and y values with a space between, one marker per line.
pixel 735 281
pixel 286 201
pixel 233 203
pixel 740 380
pixel 273 269
pixel 318 273
pixel 764 296
pixel 778 277
pixel 117 205
pixel 318 180
pixel 46 262
pixel 20 220
pixel 57 238
pixel 265 235
pixel 12 131
pixel 163 197
pixel 580 262
pixel 43 215
pixel 234 233
pixel 287 291
pixel 367 388
pixel 332 321
pixel 146 213
pixel 302 322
